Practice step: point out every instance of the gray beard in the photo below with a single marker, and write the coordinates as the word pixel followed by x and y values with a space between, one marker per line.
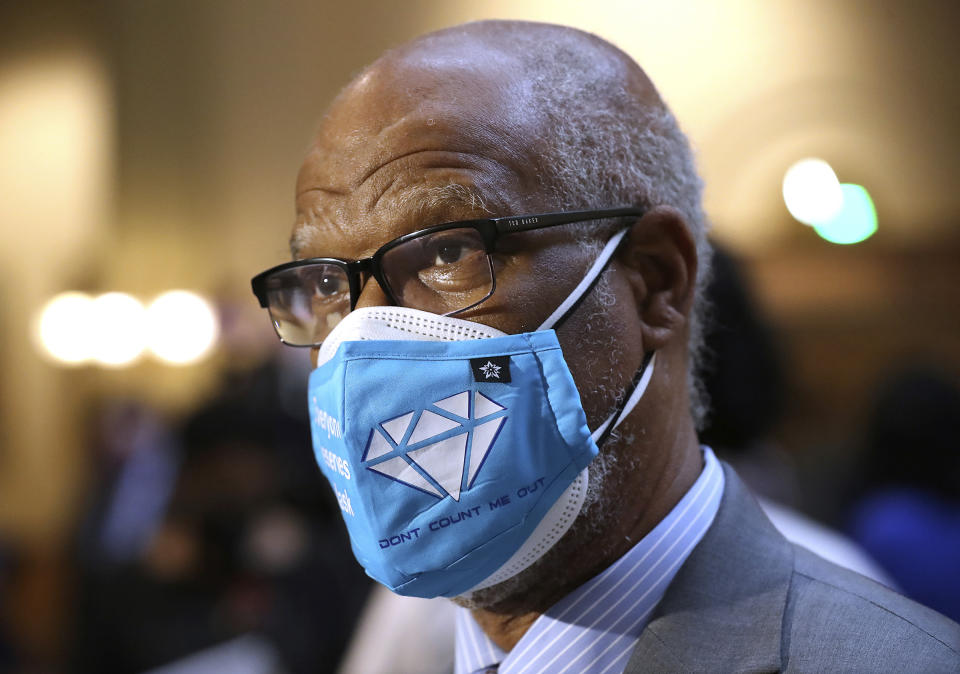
pixel 589 530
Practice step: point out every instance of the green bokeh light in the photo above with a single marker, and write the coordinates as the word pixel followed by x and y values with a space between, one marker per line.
pixel 856 221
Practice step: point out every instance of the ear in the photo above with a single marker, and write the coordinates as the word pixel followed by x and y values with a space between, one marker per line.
pixel 660 260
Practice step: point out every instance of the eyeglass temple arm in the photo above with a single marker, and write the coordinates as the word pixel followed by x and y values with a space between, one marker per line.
pixel 525 223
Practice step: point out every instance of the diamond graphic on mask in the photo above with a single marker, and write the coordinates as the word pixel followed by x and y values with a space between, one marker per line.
pixel 401 471
pixel 429 425
pixel 443 461
pixel 377 446
pixel 483 406
pixel 440 467
pixel 397 426
pixel 458 404
pixel 483 437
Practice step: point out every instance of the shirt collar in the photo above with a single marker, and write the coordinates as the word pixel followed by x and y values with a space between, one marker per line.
pixel 595 627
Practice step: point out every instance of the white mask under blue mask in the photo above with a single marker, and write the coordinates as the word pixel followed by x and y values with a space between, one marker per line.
pixel 458 453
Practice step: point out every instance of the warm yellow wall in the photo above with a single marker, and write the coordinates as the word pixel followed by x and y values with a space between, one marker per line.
pixel 56 173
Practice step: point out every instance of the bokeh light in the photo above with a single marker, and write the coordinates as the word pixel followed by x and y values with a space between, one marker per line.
pixel 856 221
pixel 118 329
pixel 63 328
pixel 183 327
pixel 812 192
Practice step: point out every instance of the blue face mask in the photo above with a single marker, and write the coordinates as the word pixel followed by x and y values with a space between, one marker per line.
pixel 458 454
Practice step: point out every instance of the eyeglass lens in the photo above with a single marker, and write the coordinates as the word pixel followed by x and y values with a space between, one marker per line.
pixel 307 302
pixel 441 272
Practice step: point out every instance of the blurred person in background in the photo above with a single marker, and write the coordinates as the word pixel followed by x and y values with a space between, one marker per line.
pixel 433 258
pixel 214 543
pixel 9 657
pixel 744 378
pixel 907 515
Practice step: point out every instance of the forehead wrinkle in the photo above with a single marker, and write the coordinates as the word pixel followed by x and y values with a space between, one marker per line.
pixel 419 203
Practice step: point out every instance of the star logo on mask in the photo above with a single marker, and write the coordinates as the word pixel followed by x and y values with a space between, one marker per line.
pixel 490 370
pixel 439 449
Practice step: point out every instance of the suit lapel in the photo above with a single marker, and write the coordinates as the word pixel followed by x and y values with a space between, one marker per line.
pixel 724 609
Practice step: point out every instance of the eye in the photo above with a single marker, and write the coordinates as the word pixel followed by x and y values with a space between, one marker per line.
pixel 448 253
pixel 450 247
pixel 329 285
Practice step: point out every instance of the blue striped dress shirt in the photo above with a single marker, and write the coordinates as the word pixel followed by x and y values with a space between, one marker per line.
pixel 594 629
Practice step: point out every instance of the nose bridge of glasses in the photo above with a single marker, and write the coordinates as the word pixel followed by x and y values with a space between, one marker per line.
pixel 369 289
pixel 363 270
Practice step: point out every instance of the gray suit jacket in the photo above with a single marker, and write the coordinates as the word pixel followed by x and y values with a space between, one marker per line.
pixel 747 600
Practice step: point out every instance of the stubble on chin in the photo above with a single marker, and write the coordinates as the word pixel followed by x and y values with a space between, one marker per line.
pixel 579 555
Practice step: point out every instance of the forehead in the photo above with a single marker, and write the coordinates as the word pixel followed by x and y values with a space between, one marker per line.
pixel 416 126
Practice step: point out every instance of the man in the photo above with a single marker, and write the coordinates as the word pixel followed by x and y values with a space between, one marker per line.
pixel 646 556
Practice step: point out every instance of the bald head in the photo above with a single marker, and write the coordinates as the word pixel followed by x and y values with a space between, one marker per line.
pixel 513 86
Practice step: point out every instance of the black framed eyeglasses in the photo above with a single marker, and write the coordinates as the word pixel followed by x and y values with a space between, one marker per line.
pixel 445 269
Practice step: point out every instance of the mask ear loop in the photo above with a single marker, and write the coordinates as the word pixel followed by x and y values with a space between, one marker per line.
pixel 569 305
pixel 631 396
pixel 633 393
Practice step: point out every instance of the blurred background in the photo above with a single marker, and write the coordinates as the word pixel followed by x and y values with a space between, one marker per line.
pixel 158 496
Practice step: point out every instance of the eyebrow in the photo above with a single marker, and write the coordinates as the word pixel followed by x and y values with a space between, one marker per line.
pixel 445 196
pixel 300 238
pixel 420 202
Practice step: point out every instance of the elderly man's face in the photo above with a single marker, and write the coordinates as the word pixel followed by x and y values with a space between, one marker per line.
pixel 449 128
pixel 383 166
